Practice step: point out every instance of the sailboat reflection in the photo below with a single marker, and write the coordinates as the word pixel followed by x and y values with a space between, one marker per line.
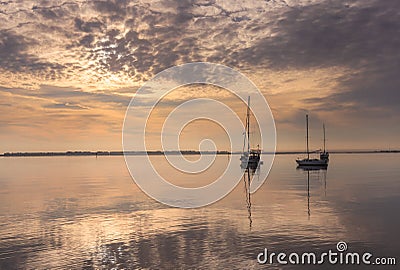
pixel 248 175
pixel 308 193
pixel 309 169
pixel 246 181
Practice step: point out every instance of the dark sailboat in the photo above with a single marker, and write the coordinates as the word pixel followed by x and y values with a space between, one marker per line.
pixel 250 157
pixel 321 162
pixel 324 155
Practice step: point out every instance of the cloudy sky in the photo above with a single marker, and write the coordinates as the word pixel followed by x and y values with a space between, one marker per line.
pixel 68 69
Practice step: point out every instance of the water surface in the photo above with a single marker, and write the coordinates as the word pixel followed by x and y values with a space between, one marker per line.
pixel 83 212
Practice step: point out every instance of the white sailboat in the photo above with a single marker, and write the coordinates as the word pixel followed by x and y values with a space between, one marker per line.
pixel 322 162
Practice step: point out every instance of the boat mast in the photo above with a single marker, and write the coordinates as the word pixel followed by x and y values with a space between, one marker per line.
pixel 248 124
pixel 308 151
pixel 323 126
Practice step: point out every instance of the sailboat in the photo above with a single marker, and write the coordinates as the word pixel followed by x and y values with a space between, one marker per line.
pixel 250 158
pixel 324 155
pixel 322 162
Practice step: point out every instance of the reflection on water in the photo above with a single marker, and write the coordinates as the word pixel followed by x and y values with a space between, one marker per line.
pixel 309 169
pixel 83 212
pixel 246 181
pixel 308 194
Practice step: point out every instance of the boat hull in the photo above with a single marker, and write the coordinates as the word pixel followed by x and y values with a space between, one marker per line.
pixel 312 168
pixel 312 162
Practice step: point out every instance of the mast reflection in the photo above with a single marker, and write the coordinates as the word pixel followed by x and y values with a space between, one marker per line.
pixel 309 169
pixel 248 175
pixel 246 181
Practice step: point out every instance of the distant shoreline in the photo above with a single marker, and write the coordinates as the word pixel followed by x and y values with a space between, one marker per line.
pixel 188 152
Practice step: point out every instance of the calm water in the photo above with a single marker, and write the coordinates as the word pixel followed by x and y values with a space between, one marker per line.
pixel 83 212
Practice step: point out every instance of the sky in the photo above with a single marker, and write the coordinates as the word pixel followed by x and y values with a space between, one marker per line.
pixel 68 69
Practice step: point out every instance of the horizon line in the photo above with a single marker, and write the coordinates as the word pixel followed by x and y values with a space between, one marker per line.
pixel 184 152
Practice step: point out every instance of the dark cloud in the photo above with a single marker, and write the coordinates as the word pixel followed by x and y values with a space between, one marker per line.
pixel 71 98
pixel 330 34
pixel 362 38
pixel 87 41
pixel 67 106
pixel 89 26
pixel 50 13
pixel 15 58
pixel 67 95
pixel 111 7
pixel 373 87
